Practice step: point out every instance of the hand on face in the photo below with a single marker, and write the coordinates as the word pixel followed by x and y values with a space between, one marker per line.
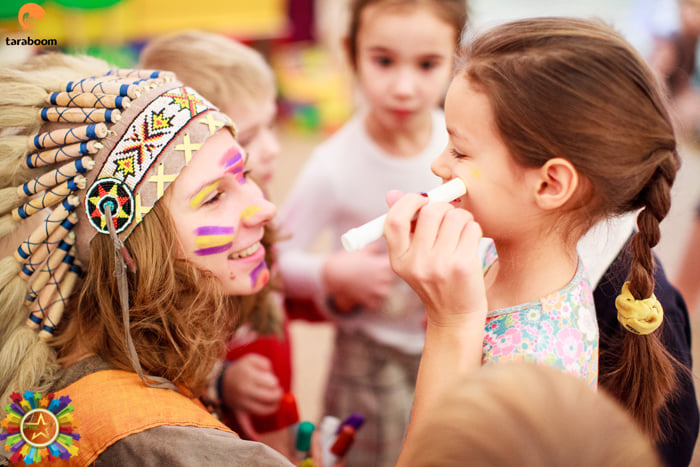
pixel 220 216
pixel 360 277
pixel 438 258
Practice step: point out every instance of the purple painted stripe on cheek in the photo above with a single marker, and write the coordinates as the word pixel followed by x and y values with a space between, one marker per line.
pixel 213 230
pixel 255 272
pixel 213 250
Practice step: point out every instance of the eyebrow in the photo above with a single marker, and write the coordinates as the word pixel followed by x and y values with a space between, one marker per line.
pixel 456 134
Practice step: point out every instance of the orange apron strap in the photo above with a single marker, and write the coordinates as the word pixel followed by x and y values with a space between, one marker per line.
pixel 113 404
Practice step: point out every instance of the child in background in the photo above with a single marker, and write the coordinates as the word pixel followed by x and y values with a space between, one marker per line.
pixel 673 58
pixel 555 123
pixel 257 371
pixel 402 54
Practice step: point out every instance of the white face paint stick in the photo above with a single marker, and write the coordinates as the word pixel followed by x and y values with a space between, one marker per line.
pixel 356 238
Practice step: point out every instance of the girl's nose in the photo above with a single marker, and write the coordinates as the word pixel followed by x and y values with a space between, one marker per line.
pixel 271 147
pixel 404 83
pixel 439 165
pixel 261 212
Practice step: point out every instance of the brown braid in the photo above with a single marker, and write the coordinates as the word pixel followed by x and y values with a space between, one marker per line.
pixel 645 388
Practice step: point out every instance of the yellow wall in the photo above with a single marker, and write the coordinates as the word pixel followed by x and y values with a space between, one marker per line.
pixel 135 20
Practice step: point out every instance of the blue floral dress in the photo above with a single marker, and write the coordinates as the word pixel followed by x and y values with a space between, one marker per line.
pixel 558 330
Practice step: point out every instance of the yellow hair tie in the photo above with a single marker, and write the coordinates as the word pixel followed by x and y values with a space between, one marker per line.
pixel 638 316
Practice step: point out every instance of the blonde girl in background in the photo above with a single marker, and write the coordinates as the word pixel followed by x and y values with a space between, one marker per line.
pixel 554 123
pixel 249 385
pixel 402 55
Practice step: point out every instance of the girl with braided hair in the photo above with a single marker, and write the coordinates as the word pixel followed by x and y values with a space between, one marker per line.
pixel 555 124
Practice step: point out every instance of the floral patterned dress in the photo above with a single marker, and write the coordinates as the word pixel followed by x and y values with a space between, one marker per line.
pixel 558 330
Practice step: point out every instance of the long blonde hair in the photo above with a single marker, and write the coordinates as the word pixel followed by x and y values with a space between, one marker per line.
pixel 179 317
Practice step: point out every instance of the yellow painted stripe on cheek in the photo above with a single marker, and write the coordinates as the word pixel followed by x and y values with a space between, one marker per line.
pixel 200 196
pixel 476 174
pixel 208 241
pixel 249 212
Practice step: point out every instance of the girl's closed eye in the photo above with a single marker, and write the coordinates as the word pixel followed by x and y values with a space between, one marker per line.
pixel 213 198
pixel 457 155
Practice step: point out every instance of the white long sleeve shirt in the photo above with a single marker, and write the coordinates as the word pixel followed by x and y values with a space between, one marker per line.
pixel 343 185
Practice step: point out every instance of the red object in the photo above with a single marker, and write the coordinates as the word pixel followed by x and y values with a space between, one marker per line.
pixel 278 351
pixel 344 441
pixel 287 414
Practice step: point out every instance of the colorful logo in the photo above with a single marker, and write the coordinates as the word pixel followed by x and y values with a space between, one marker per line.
pixel 29 14
pixel 35 427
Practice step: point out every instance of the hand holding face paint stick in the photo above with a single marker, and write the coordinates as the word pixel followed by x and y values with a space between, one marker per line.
pixel 356 238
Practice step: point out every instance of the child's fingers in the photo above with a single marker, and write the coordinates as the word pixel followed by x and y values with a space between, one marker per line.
pixel 265 380
pixel 258 361
pixel 393 196
pixel 268 398
pixel 469 240
pixel 397 227
pixel 451 232
pixel 429 224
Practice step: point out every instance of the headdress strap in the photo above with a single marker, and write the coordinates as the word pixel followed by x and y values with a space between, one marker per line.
pixel 122 284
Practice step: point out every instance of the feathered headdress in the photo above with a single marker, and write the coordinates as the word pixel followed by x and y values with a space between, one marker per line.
pixel 82 153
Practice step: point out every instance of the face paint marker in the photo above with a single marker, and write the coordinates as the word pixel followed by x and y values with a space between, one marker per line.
pixel 202 194
pixel 249 212
pixel 356 238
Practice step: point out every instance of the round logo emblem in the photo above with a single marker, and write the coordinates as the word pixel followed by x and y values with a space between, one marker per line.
pixel 112 193
pixel 39 428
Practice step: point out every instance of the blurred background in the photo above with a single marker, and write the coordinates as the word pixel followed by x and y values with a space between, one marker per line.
pixel 302 41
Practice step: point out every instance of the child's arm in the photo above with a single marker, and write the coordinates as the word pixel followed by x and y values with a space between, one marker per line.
pixel 440 261
pixel 359 278
pixel 362 277
pixel 306 212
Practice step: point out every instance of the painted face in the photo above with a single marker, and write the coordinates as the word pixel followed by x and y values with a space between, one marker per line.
pixel 403 76
pixel 496 185
pixel 255 124
pixel 219 215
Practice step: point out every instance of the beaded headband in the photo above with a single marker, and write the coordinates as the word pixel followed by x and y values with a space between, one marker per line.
pixel 118 141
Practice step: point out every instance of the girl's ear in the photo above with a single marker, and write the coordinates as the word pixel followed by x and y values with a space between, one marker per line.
pixel 556 184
